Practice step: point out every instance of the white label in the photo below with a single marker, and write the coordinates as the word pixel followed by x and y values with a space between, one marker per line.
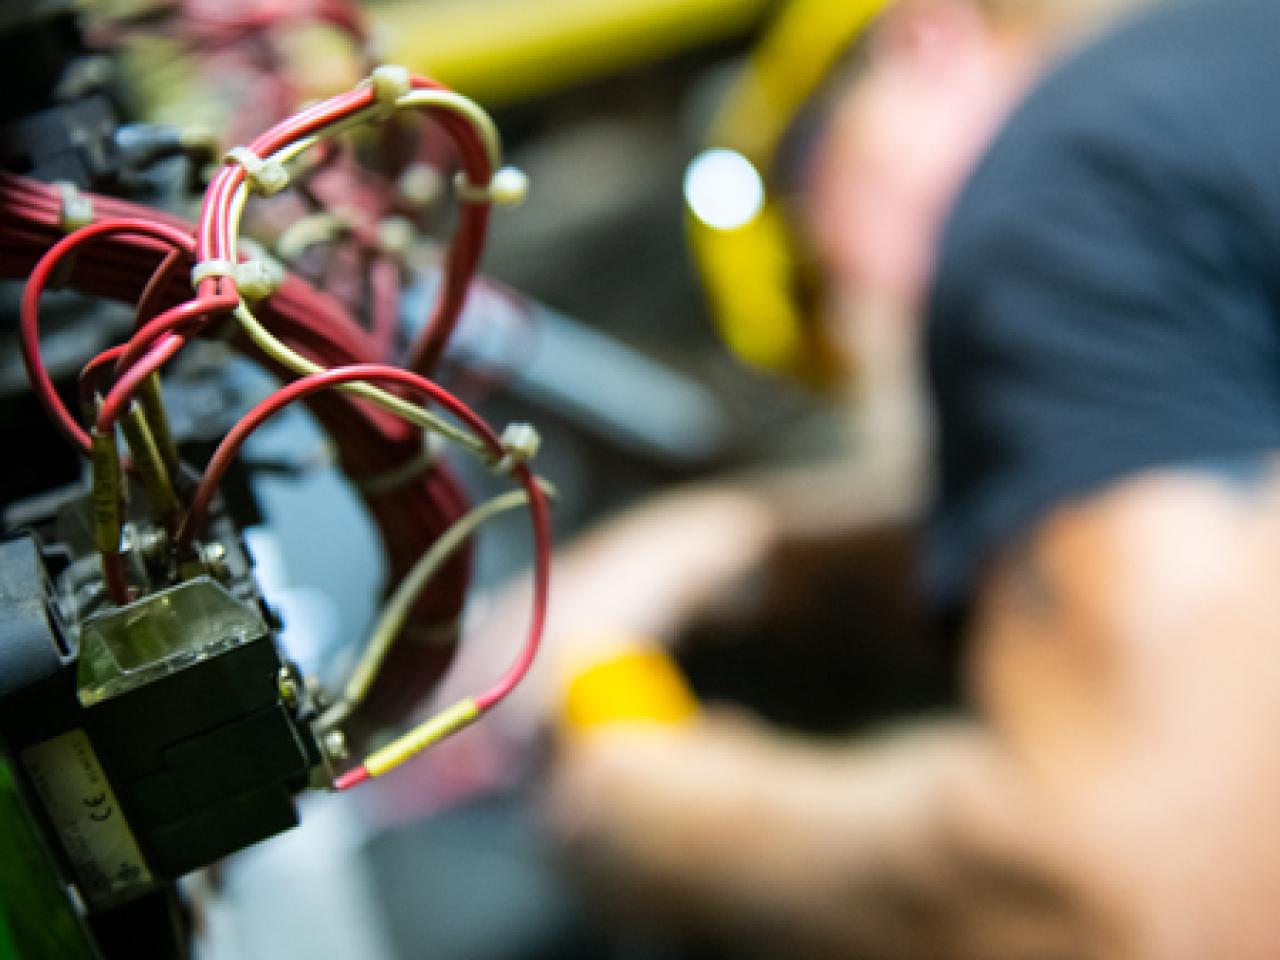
pixel 84 811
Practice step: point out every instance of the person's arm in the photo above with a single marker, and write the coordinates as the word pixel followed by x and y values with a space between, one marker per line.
pixel 1127 660
pixel 1117 799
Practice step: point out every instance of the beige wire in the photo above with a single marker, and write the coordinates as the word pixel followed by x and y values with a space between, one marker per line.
pixel 283 355
pixel 437 99
pixel 396 611
pixel 418 416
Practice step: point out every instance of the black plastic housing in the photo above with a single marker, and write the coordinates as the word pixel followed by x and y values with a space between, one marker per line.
pixel 203 761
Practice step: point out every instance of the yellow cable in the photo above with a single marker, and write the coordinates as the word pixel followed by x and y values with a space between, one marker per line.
pixel 444 724
pixel 418 416
pixel 511 50
pixel 149 461
pixel 803 43
pixel 107 494
pixel 152 399
pixel 396 611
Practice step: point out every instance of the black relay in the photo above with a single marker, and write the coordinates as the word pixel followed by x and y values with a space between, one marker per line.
pixel 153 738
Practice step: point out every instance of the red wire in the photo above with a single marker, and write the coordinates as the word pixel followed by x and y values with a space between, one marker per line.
pixel 121 393
pixel 179 321
pixel 29 322
pixel 464 251
pixel 149 301
pixel 226 452
pixel 94 371
pixel 459 267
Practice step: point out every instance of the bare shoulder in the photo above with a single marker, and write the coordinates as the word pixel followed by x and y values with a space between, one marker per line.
pixel 1155 595
pixel 1127 654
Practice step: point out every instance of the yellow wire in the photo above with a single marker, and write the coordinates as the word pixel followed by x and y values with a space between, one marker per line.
pixel 307 231
pixel 396 611
pixel 447 722
pixel 419 416
pixel 468 109
pixel 150 462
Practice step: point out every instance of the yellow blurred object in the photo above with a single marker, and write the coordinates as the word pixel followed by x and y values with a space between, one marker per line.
pixel 170 86
pixel 634 686
pixel 753 277
pixel 747 271
pixel 499 51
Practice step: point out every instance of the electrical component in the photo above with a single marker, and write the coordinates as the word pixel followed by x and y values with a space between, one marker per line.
pixel 158 736
pixel 148 718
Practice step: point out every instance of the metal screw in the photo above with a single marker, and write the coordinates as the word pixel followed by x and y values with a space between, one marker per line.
pixel 288 687
pixel 213 556
pixel 335 745
pixel 152 544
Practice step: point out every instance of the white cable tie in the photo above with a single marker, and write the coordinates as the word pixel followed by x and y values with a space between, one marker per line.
pixel 390 82
pixel 76 210
pixel 420 185
pixel 396 235
pixel 207 269
pixel 520 441
pixel 266 176
pixel 258 279
pixel 508 188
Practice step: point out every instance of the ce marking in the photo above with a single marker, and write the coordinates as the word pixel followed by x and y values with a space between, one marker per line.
pixel 98 812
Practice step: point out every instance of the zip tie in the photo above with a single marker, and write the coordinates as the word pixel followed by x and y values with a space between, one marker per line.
pixel 396 235
pixel 267 176
pixel 76 211
pixel 258 279
pixel 210 269
pixel 508 188
pixel 520 441
pixel 254 279
pixel 390 82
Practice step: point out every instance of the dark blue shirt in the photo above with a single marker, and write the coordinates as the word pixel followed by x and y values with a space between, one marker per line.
pixel 1108 292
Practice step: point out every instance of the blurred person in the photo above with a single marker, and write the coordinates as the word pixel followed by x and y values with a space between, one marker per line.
pixel 936 80
pixel 1103 351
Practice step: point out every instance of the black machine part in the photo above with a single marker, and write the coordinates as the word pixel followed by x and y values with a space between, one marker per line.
pixel 151 739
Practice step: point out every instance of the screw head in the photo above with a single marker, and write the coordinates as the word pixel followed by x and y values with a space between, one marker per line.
pixel 288 688
pixel 335 745
pixel 213 556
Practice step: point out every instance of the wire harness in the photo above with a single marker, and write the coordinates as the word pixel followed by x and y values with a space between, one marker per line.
pixel 115 249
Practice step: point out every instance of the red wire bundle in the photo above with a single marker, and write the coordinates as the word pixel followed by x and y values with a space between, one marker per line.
pixel 134 254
